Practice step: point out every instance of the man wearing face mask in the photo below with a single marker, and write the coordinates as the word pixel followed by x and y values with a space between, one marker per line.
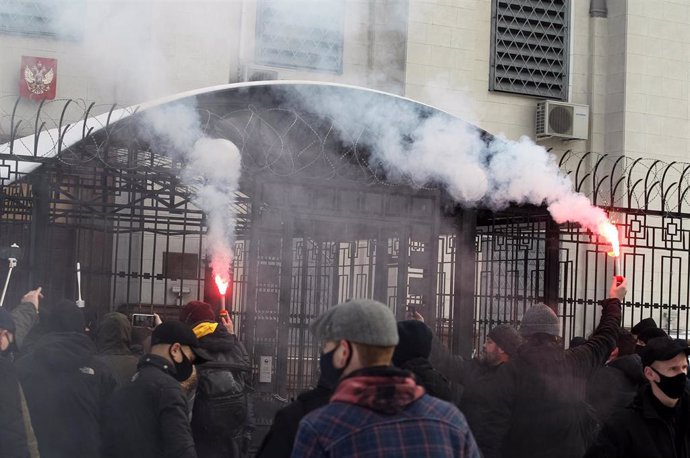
pixel 376 410
pixel 657 423
pixel 280 438
pixel 149 416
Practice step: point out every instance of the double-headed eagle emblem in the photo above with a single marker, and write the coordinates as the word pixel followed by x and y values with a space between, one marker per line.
pixel 38 78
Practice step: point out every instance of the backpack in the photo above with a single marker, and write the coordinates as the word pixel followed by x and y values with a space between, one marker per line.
pixel 220 404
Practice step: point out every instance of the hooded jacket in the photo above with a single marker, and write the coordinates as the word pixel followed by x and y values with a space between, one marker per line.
pixel 536 405
pixel 614 386
pixel 223 413
pixel 383 412
pixel 66 389
pixel 113 339
pixel 646 429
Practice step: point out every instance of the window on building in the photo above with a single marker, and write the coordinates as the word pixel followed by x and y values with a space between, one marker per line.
pixel 42 18
pixel 529 47
pixel 300 34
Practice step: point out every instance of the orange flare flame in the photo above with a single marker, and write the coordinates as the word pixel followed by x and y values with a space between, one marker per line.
pixel 610 232
pixel 222 284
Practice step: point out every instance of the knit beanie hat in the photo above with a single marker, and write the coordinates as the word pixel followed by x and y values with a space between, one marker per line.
pixel 643 325
pixel 415 341
pixel 362 321
pixel 196 312
pixel 506 337
pixel 648 334
pixel 540 319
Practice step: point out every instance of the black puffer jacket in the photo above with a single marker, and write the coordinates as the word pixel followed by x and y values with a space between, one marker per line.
pixel 149 416
pixel 223 415
pixel 536 407
pixel 614 386
pixel 646 429
pixel 66 389
pixel 432 380
pixel 13 441
pixel 281 437
pixel 113 338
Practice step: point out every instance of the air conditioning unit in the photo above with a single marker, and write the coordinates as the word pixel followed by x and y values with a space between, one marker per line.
pixel 249 73
pixel 564 120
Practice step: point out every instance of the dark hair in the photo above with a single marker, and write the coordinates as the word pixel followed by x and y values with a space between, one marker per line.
pixel 625 343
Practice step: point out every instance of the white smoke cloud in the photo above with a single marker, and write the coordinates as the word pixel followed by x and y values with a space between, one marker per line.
pixel 422 146
pixel 212 168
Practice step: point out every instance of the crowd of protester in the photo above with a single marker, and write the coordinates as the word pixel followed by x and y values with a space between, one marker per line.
pixel 385 388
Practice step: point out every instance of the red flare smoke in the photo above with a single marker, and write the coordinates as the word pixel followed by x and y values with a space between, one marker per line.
pixel 222 284
pixel 610 233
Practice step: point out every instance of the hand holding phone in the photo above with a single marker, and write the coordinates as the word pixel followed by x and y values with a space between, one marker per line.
pixel 143 320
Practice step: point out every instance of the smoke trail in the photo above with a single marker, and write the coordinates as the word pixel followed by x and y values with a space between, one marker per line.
pixel 211 169
pixel 420 146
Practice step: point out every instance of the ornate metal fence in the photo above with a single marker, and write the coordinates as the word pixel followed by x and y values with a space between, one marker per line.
pixel 317 226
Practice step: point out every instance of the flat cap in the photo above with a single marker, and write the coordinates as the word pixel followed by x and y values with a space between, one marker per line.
pixel 363 321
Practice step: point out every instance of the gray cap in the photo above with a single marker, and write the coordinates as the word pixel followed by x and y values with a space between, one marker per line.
pixel 362 321
pixel 540 319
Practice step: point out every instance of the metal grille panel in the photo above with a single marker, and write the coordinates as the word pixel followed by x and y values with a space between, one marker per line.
pixel 303 34
pixel 529 52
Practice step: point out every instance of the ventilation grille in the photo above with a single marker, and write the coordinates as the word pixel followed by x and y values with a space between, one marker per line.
pixel 529 53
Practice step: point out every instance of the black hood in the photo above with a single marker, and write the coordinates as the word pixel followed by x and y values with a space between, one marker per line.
pixel 631 366
pixel 114 335
pixel 64 351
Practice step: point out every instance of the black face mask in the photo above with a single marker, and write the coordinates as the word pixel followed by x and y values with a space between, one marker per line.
pixel 330 376
pixel 184 369
pixel 638 348
pixel 673 387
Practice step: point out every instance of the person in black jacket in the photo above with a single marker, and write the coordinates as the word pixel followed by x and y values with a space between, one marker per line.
pixel 470 375
pixel 657 424
pixel 615 385
pixel 149 416
pixel 65 386
pixel 535 408
pixel 223 413
pixel 412 354
pixel 113 339
pixel 13 437
pixel 280 438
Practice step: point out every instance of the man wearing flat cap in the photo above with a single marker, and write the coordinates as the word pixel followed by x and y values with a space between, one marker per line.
pixel 376 410
pixel 657 423
pixel 149 416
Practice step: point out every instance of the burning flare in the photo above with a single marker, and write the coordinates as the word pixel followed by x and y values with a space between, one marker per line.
pixel 222 284
pixel 609 231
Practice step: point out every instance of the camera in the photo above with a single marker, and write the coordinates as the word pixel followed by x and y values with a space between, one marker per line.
pixel 143 320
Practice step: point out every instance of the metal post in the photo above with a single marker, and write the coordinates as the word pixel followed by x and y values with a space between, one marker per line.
pixel 464 282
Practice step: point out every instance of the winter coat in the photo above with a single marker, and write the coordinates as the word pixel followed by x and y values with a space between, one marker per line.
pixel 149 416
pixel 536 406
pixel 646 429
pixel 281 437
pixel 25 317
pixel 614 386
pixel 223 414
pixel 13 440
pixel 463 374
pixel 432 380
pixel 383 412
pixel 113 338
pixel 66 389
